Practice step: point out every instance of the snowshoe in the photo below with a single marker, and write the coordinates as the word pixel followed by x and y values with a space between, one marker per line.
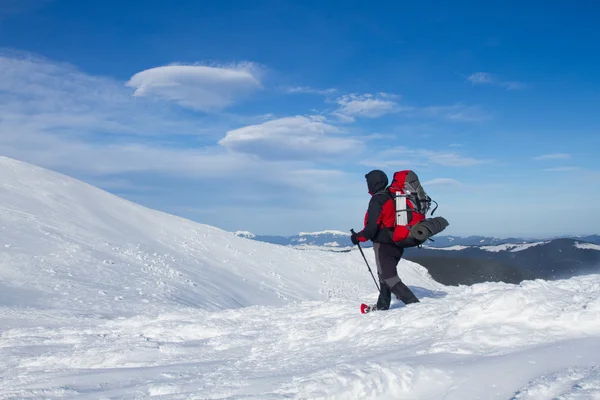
pixel 365 308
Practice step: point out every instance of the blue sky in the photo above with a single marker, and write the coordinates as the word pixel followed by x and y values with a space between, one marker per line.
pixel 266 115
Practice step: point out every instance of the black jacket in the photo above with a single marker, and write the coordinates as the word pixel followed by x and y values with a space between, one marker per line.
pixel 377 182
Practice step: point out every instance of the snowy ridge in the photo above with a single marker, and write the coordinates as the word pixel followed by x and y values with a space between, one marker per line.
pixel 494 249
pixel 330 232
pixel 449 248
pixel 587 246
pixel 103 298
pixel 511 247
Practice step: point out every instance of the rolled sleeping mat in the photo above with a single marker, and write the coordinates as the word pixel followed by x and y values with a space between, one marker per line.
pixel 428 228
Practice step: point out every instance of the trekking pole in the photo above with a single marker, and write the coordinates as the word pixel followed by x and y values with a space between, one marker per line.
pixel 366 262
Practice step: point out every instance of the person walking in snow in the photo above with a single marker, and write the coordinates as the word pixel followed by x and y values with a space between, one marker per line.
pixel 387 253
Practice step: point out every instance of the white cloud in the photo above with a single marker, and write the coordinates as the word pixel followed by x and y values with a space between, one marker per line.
pixel 452 159
pixel 562 169
pixel 486 78
pixel 408 158
pixel 38 95
pixel 309 90
pixel 102 158
pixel 291 138
pixel 352 106
pixel 56 116
pixel 197 87
pixel 115 166
pixel 367 106
pixel 457 112
pixel 480 78
pixel 555 156
pixel 442 182
pixel 392 163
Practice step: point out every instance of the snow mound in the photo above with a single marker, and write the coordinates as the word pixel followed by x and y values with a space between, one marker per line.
pixel 568 384
pixel 65 244
pixel 245 234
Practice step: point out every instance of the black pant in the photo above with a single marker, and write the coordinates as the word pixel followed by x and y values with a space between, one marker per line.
pixel 387 257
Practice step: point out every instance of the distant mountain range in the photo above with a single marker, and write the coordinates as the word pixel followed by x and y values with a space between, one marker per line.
pixel 455 260
pixel 329 239
pixel 333 239
pixel 552 259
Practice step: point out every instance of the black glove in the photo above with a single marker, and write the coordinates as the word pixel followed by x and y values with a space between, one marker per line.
pixel 354 238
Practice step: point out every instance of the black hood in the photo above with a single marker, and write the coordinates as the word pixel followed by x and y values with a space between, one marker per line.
pixel 376 181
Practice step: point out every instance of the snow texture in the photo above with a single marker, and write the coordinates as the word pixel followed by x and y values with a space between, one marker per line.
pixel 101 298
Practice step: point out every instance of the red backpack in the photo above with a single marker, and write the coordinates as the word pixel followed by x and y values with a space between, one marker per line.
pixel 407 206
pixel 411 203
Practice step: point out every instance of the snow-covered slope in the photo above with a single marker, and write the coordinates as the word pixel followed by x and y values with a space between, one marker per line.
pixel 103 299
pixel 72 246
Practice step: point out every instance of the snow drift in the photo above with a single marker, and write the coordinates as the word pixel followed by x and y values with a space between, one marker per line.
pixel 103 298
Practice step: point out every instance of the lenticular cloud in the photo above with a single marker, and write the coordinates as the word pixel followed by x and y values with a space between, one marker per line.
pixel 290 138
pixel 201 88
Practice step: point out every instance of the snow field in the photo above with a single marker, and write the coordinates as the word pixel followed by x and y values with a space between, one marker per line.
pixel 316 349
pixel 101 298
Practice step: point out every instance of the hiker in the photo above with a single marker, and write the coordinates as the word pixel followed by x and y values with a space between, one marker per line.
pixel 387 252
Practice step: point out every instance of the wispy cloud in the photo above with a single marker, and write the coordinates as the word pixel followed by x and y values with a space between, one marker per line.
pixel 562 169
pixel 442 182
pixel 59 117
pixel 486 78
pixel 198 87
pixel 366 106
pixel 555 156
pixel 106 163
pixel 378 162
pixel 298 137
pixel 310 90
pixel 406 157
pixel 39 95
pixel 457 113
pixel 453 159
